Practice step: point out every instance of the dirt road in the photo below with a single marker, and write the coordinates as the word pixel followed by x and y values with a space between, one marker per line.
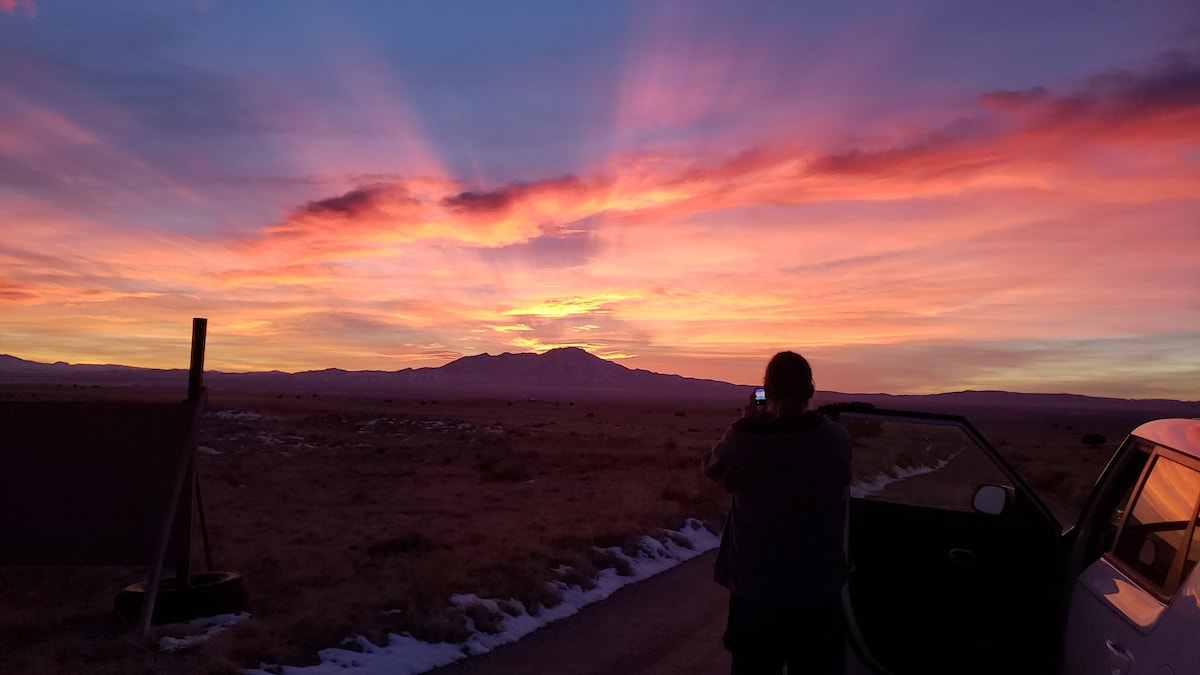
pixel 672 623
pixel 669 623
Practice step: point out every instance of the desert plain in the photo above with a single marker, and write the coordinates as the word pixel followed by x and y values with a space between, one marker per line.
pixel 361 515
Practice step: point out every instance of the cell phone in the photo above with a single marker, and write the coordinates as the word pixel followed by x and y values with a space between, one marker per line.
pixel 760 396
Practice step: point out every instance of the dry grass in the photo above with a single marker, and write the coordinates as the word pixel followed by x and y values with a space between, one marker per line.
pixel 1045 447
pixel 341 511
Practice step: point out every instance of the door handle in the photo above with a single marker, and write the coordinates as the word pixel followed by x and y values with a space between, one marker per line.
pixel 1119 660
pixel 962 556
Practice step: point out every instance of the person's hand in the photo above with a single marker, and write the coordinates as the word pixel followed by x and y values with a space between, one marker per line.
pixel 751 410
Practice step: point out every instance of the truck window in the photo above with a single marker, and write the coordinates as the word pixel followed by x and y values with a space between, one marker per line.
pixel 1160 525
pixel 1115 501
pixel 927 463
pixel 1193 554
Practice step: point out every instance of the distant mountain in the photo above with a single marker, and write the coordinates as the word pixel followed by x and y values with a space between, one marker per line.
pixel 568 365
pixel 13 369
pixel 570 368
pixel 959 400
pixel 567 374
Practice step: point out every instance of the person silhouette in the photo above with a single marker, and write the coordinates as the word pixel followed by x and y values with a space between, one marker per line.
pixel 782 554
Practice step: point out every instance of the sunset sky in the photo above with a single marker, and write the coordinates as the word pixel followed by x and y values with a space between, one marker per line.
pixel 919 196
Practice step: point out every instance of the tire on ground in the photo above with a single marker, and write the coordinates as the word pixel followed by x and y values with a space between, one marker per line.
pixel 207 594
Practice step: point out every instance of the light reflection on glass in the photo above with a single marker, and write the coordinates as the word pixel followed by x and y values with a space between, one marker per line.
pixel 1154 533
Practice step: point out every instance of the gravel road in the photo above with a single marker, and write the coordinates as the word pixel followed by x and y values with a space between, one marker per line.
pixel 669 623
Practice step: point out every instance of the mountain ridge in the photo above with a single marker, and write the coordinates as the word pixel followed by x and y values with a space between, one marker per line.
pixel 565 373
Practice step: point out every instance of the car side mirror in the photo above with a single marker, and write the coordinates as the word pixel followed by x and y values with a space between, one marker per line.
pixel 991 499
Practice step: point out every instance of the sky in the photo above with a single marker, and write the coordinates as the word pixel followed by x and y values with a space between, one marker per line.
pixel 920 197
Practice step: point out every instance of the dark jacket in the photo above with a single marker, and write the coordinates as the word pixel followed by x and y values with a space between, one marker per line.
pixel 784 535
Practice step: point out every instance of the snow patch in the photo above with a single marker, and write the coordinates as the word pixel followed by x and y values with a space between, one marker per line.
pixel 405 655
pixel 866 488
pixel 206 627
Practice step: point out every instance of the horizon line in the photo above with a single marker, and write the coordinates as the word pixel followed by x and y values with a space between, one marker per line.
pixel 698 379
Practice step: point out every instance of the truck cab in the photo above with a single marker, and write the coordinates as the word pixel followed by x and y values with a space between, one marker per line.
pixel 958 566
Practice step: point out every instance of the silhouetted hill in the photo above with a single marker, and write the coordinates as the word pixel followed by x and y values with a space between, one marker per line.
pixel 563 374
pixel 568 365
pixel 566 374
pixel 956 402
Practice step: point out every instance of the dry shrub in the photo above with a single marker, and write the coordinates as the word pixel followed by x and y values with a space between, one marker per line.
pixel 578 570
pixel 677 539
pixel 692 492
pixel 1052 480
pixel 674 493
pixel 606 558
pixel 439 625
pixel 502 471
pixel 413 544
pixel 525 581
pixel 684 463
pixel 510 607
pixel 633 500
pixel 497 461
pixel 484 618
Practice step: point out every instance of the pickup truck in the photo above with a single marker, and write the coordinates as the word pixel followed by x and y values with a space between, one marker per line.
pixel 961 568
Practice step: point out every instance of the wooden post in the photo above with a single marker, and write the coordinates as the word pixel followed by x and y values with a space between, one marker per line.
pixel 181 491
pixel 196 372
pixel 183 521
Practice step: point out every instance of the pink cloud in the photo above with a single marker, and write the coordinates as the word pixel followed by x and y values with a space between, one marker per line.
pixel 26 6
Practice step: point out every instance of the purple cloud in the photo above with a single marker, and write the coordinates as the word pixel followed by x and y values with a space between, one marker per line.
pixel 492 201
pixel 1171 84
pixel 359 201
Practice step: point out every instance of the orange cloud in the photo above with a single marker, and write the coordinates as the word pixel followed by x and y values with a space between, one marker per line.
pixel 1157 106
pixel 564 307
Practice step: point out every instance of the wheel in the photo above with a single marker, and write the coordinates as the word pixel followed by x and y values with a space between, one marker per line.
pixel 207 594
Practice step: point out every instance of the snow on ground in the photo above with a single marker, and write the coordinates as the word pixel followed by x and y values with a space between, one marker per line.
pixel 405 655
pixel 199 630
pixel 876 484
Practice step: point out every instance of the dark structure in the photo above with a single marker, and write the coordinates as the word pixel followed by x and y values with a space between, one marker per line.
pixel 92 483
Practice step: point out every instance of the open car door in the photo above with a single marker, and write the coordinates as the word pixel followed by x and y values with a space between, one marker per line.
pixel 955 562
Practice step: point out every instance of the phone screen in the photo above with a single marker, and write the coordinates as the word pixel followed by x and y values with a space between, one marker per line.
pixel 760 395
